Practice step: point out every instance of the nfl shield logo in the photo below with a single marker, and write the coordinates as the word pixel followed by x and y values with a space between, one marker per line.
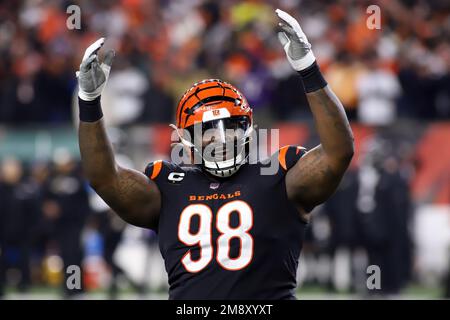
pixel 214 185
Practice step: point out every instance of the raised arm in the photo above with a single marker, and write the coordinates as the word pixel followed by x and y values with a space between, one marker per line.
pixel 316 176
pixel 133 196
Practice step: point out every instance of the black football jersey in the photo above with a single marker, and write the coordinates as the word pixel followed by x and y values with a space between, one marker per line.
pixel 233 238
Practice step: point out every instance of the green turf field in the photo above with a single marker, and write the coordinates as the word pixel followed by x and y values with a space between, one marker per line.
pixel 307 292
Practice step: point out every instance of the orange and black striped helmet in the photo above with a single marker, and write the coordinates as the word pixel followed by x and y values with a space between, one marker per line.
pixel 208 95
pixel 213 103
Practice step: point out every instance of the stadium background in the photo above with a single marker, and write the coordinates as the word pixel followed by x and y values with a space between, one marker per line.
pixel 392 208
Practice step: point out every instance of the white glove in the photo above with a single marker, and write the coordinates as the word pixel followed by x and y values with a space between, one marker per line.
pixel 92 76
pixel 294 42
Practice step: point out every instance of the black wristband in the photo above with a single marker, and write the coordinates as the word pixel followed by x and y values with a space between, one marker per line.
pixel 312 78
pixel 90 111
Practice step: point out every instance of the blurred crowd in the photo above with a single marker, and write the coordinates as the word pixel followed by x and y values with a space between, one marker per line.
pixel 50 218
pixel 399 70
pixel 43 210
pixel 368 221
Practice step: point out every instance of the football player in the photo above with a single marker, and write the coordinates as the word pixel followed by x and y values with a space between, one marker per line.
pixel 226 231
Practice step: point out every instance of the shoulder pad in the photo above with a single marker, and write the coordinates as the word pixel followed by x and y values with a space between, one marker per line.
pixel 159 168
pixel 289 155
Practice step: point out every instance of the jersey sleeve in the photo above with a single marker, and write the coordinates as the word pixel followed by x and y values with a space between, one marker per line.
pixel 281 161
pixel 153 169
pixel 288 156
pixel 159 170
